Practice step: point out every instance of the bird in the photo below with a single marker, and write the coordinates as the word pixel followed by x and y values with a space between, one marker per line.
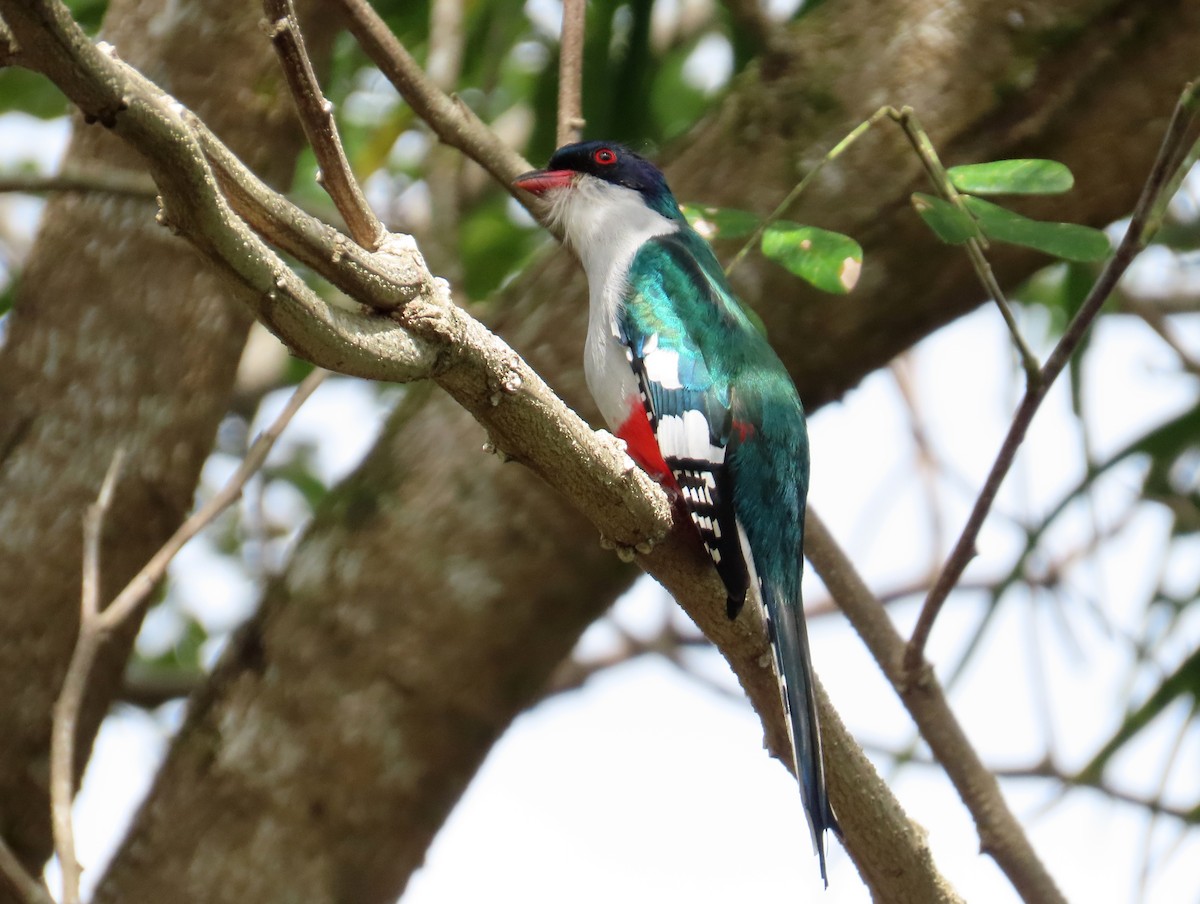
pixel 703 404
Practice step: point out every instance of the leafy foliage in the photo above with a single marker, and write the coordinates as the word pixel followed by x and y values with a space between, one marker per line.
pixel 721 222
pixel 979 218
pixel 951 225
pixel 1012 177
pixel 1065 240
pixel 829 260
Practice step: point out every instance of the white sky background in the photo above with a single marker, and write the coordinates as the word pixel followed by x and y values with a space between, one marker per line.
pixel 647 786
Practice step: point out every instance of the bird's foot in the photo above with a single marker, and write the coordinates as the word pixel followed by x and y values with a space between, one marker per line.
pixel 624 552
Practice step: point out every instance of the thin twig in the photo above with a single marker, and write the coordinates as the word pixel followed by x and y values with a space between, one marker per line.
pixel 70 698
pixel 1174 149
pixel 152 572
pixel 28 888
pixel 781 208
pixel 975 246
pixel 927 463
pixel 1048 770
pixel 1000 835
pixel 96 624
pixel 316 115
pixel 1158 321
pixel 108 181
pixel 669 643
pixel 570 72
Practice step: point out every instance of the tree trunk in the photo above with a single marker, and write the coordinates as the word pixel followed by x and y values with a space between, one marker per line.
pixel 121 336
pixel 435 591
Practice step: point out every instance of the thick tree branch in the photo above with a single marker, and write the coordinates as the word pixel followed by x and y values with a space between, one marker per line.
pixel 113 93
pixel 484 372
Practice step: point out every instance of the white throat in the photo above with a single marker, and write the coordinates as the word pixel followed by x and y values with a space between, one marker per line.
pixel 606 224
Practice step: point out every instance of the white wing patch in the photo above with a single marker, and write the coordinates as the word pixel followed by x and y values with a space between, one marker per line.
pixel 661 364
pixel 688 436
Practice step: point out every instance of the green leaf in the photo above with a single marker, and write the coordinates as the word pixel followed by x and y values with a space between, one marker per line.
pixel 1012 177
pixel 720 222
pixel 829 260
pixel 948 223
pixel 1065 240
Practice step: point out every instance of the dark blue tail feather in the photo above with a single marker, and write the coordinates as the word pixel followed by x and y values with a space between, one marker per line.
pixel 789 642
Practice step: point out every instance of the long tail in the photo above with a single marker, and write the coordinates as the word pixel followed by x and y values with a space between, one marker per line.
pixel 789 642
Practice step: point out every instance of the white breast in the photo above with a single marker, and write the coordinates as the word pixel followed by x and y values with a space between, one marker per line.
pixel 606 224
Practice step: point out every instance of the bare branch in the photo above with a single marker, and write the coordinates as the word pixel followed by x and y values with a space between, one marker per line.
pixel 136 591
pixel 1174 148
pixel 70 698
pixel 444 164
pixel 531 425
pixel 114 181
pixel 29 890
pixel 1000 835
pixel 570 72
pixel 1158 321
pixel 96 623
pixel 1047 769
pixel 109 91
pixel 316 116
pixel 669 642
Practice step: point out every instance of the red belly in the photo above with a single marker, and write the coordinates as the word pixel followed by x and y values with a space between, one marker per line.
pixel 643 447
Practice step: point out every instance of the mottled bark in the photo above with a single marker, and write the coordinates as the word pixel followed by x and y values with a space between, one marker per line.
pixel 436 590
pixel 120 336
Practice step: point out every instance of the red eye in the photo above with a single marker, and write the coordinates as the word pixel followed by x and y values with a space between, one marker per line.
pixel 605 157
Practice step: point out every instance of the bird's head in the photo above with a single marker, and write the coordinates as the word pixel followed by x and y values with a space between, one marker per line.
pixel 583 180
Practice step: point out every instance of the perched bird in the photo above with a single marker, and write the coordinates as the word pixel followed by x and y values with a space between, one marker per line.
pixel 702 402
